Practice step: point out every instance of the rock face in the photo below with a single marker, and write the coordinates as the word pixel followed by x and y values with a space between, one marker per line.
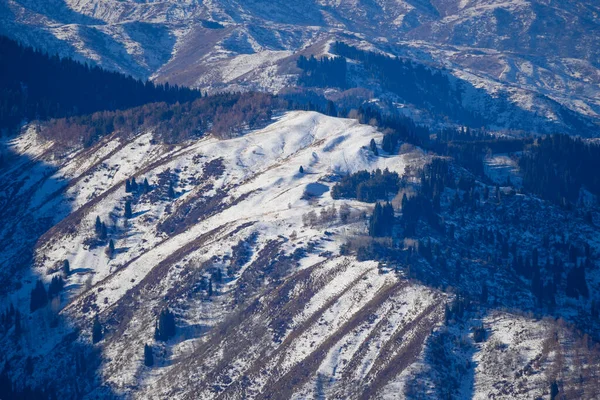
pixel 539 54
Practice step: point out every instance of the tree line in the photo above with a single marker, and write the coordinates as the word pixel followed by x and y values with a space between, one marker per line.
pixel 224 115
pixel 37 86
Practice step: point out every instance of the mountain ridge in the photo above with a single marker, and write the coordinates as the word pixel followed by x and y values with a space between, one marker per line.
pixel 482 42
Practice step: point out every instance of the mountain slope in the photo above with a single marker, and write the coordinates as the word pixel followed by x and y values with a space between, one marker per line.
pixel 265 304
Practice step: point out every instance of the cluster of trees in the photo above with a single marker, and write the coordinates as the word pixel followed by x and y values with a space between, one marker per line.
pixel 470 152
pixel 414 82
pixel 325 72
pixel 101 232
pixel 38 296
pixel 414 209
pixel 11 390
pixel 381 222
pixel 131 186
pixel 165 325
pixel 326 216
pixel 558 166
pixel 56 286
pixel 224 115
pixel 435 177
pixel 463 135
pixel 367 186
pixel 100 229
pixel 9 318
pixel 35 85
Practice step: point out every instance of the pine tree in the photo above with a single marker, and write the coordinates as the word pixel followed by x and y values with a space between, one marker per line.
pixel 98 226
pixel 146 186
pixel 171 192
pixel 103 231
pixel 373 147
pixel 404 200
pixel 56 285
pixel 330 109
pixel 148 356
pixel 128 212
pixel 381 222
pixel 29 366
pixel 210 288
pixel 134 185
pixel 66 268
pixel 301 170
pixel 165 325
pixel 96 330
pixel 110 249
pixel 374 222
pixel 39 297
pixel 537 287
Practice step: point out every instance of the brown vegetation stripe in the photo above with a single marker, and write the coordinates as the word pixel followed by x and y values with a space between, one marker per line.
pixel 283 388
pixel 405 353
pixel 295 307
pixel 76 217
pixel 236 327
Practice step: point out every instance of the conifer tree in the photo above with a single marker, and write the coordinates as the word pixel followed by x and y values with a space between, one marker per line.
pixel 128 212
pixel 103 231
pixel 98 226
pixel 146 186
pixel 301 170
pixel 133 185
pixel 148 356
pixel 66 268
pixel 165 325
pixel 373 147
pixel 96 330
pixel 576 283
pixel 39 297
pixel 110 249
pixel 56 285
pixel 381 222
pixel 171 192
pixel 330 109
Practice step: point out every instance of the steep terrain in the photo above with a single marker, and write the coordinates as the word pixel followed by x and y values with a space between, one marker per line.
pixel 540 54
pixel 245 249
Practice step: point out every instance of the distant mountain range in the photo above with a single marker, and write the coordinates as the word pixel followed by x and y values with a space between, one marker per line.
pixel 541 55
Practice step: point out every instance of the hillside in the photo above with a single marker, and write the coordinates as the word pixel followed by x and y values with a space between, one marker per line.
pixel 263 300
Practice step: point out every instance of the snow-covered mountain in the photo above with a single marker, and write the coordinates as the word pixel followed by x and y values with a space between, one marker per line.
pixel 246 251
pixel 202 250
pixel 540 54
